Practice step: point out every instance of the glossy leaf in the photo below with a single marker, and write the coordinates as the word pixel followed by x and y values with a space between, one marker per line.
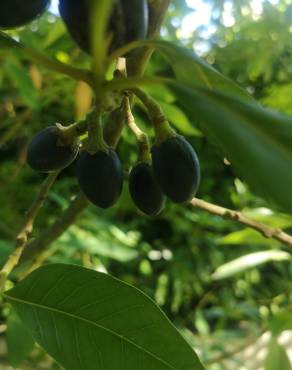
pixel 84 318
pixel 248 261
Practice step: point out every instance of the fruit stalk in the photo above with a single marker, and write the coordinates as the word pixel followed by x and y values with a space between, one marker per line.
pixel 163 131
pixel 141 137
pixel 95 133
pixel 114 127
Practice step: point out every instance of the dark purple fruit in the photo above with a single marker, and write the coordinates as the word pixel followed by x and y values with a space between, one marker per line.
pixel 145 190
pixel 100 177
pixel 176 168
pixel 128 22
pixel 46 154
pixel 16 13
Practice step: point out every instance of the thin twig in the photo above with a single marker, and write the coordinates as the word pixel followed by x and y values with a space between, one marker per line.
pixel 22 236
pixel 265 230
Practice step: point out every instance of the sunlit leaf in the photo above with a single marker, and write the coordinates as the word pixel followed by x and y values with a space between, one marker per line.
pixel 248 261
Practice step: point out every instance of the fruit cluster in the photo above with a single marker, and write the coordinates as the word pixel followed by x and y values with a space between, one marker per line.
pixel 170 169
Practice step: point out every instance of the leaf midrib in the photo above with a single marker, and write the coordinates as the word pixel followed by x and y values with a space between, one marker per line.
pixel 64 313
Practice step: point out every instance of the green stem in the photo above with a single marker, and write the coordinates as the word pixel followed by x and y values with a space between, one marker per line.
pixel 114 127
pixel 95 134
pixel 70 133
pixel 162 128
pixel 141 137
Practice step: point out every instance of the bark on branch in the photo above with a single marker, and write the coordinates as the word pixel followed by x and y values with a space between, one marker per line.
pixel 265 230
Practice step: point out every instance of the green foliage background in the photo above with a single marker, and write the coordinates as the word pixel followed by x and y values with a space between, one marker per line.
pixel 190 262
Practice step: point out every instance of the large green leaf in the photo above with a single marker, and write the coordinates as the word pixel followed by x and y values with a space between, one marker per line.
pixel 87 320
pixel 248 261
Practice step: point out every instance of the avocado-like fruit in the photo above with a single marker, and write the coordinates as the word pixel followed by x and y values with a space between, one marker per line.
pixel 145 190
pixel 16 13
pixel 46 154
pixel 177 169
pixel 128 22
pixel 100 177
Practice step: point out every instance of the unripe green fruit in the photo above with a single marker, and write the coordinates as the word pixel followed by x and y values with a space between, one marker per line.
pixel 16 13
pixel 145 190
pixel 128 22
pixel 47 154
pixel 176 168
pixel 100 177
